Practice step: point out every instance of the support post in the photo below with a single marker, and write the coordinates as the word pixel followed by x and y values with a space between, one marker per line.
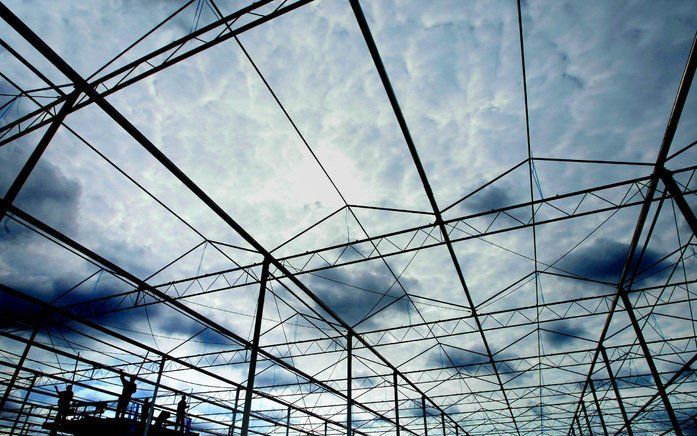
pixel 255 349
pixel 578 424
pixel 349 383
pixel 613 382
pixel 231 432
pixel 679 199
pixel 151 412
pixel 442 421
pixel 24 402
pixel 423 411
pixel 396 401
pixel 288 422
pixel 597 406
pixel 20 364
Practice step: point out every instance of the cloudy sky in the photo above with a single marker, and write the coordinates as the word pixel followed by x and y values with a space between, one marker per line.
pixel 601 80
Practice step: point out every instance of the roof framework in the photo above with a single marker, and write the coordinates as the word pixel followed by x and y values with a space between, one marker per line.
pixel 339 376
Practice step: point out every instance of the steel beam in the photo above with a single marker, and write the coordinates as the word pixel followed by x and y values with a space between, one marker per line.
pixel 423 412
pixel 30 164
pixel 153 402
pixel 23 430
pixel 231 431
pixel 585 417
pixel 349 384
pixel 396 401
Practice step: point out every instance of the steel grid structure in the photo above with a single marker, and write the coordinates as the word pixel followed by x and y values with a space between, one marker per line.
pixel 338 376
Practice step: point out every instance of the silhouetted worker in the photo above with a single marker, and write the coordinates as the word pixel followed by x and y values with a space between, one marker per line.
pixel 162 419
pixel 145 411
pixel 129 388
pixel 181 412
pixel 64 399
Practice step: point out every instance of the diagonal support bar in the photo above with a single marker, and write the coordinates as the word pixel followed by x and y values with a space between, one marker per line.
pixel 30 164
pixel 255 349
pixel 384 77
pixel 615 388
pixel 679 198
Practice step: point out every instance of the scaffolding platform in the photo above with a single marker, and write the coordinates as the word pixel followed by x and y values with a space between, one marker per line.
pixel 92 425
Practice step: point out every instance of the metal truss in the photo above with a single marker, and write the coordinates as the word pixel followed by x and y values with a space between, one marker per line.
pixel 375 380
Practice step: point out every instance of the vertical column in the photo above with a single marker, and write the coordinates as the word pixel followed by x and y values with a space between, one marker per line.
pixel 151 412
pixel 255 349
pixel 442 421
pixel 24 402
pixel 288 422
pixel 396 401
pixel 349 383
pixel 20 364
pixel 597 406
pixel 231 432
pixel 423 411
pixel 613 382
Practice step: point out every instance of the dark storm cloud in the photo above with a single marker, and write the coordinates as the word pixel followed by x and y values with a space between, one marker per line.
pixel 493 197
pixel 274 378
pixel 17 312
pixel 470 362
pixel 603 260
pixel 562 333
pixel 352 295
pixel 47 193
pixel 6 93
